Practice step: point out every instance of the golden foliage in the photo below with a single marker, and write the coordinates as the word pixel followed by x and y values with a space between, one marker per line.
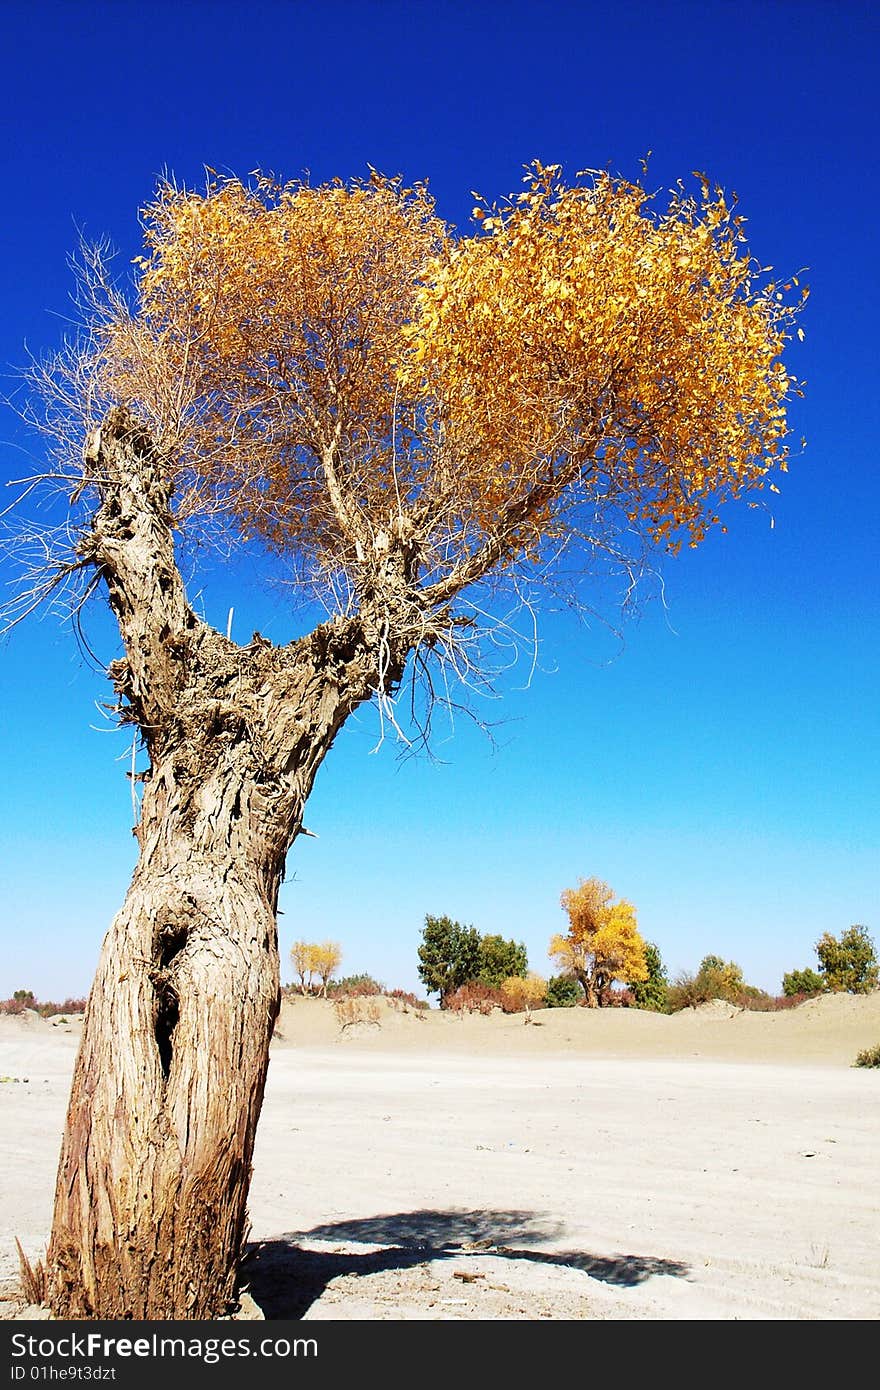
pixel 603 943
pixel 302 958
pixel 586 335
pixel 354 383
pixel 524 992
pixel 326 958
pixel 310 958
pixel 282 308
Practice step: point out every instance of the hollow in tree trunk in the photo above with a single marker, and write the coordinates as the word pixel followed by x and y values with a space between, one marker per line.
pixel 156 1161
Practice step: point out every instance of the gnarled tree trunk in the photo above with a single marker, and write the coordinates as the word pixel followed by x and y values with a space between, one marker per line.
pixel 156 1157
pixel 156 1160
pixel 587 984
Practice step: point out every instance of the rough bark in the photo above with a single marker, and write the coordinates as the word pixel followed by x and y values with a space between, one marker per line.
pixel 592 996
pixel 156 1157
pixel 156 1160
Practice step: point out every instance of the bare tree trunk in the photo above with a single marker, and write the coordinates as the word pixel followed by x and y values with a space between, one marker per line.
pixel 156 1160
pixel 156 1157
pixel 585 980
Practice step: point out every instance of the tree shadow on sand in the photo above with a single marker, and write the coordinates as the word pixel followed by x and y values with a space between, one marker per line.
pixel 284 1279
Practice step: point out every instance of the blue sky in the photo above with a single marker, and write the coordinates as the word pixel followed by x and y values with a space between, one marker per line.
pixel 720 767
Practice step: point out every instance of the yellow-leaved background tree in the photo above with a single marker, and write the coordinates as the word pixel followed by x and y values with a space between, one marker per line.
pixel 326 959
pixel 302 958
pixel 603 943
pixel 310 958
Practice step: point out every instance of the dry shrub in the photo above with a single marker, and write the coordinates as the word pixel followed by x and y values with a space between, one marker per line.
pixel 33 1277
pixel 761 1003
pixel 13 1006
pixel 474 998
pixel 689 991
pixel 523 994
pixel 402 999
pixel 355 987
pixel 869 1058
pixel 23 1000
pixel 70 1006
pixel 356 1009
pixel 619 999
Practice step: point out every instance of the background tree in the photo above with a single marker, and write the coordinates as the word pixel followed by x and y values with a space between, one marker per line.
pixel 326 958
pixel 524 993
pixel 409 422
pixel 653 991
pixel 720 979
pixel 848 962
pixel 303 960
pixel 805 981
pixel 500 959
pixel 449 956
pixel 603 943
pixel 563 992
pixel 716 978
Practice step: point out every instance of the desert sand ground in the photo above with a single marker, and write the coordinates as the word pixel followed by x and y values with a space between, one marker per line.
pixel 593 1165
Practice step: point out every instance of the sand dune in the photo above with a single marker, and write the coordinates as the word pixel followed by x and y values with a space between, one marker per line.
pixel 615 1165
pixel 826 1031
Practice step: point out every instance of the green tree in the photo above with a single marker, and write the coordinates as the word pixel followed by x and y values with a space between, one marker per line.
pixel 563 992
pixel 804 981
pixel 449 956
pixel 500 959
pixel 653 992
pixel 849 963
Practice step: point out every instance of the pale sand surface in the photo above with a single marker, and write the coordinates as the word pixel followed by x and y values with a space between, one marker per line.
pixel 600 1164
